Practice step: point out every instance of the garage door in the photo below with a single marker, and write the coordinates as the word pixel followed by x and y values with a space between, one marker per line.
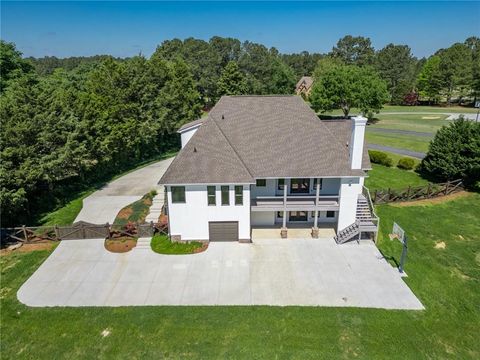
pixel 223 230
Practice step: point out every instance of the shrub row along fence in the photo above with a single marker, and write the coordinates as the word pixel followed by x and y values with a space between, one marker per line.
pixel 80 230
pixel 417 193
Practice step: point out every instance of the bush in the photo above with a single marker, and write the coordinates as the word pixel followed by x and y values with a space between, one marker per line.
pixel 406 163
pixel 454 153
pixel 379 157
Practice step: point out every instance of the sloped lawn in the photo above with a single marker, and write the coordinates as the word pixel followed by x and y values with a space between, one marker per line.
pixel 445 278
pixel 161 244
pixel 383 177
pixel 137 211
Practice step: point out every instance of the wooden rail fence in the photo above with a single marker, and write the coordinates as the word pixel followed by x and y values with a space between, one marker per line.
pixel 80 230
pixel 417 193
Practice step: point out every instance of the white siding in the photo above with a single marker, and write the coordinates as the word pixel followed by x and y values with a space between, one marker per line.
pixel 190 220
pixel 349 190
pixel 268 190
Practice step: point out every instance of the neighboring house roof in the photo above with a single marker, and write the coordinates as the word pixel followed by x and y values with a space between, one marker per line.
pixel 191 124
pixel 250 137
pixel 305 80
pixel 342 129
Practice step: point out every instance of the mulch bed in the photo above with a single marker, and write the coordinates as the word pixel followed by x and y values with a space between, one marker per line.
pixel 120 245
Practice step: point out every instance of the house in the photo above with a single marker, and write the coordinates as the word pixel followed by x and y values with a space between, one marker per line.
pixel 268 161
pixel 304 85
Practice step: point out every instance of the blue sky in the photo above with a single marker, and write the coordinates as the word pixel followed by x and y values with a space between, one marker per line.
pixel 128 28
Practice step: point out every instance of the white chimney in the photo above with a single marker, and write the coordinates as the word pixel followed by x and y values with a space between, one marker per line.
pixel 356 141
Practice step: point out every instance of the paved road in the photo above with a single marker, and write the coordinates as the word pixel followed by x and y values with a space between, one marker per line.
pixel 414 154
pixel 305 272
pixel 401 132
pixel 103 205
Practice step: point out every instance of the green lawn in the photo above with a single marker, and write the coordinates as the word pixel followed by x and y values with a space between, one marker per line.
pixel 382 177
pixel 65 215
pixel 445 280
pixel 408 142
pixel 161 244
pixel 411 122
pixel 399 108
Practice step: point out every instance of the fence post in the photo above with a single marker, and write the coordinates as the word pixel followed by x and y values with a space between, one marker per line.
pixel 57 233
pixel 107 226
pixel 446 187
pixel 429 190
pixel 375 197
pixel 152 228
pixel 25 233
pixel 389 194
pixel 408 192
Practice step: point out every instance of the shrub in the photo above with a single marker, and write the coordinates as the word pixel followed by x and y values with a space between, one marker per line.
pixel 379 157
pixel 454 153
pixel 406 163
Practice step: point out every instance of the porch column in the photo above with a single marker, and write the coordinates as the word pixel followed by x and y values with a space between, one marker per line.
pixel 283 231
pixel 315 221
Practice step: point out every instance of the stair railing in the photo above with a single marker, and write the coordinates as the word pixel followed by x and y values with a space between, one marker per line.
pixel 376 219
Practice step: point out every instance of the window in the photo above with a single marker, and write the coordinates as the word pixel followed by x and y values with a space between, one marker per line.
pixel 281 184
pixel 298 216
pixel 280 214
pixel 178 194
pixel 212 201
pixel 238 195
pixel 330 214
pixel 261 182
pixel 225 194
pixel 315 184
pixel 300 186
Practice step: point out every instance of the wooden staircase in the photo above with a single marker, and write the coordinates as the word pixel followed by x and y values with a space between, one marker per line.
pixel 366 220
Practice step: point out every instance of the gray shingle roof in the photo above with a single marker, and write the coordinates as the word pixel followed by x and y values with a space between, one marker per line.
pixel 191 124
pixel 342 129
pixel 249 137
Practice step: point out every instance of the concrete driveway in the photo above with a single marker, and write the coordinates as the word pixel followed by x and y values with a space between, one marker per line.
pixel 305 272
pixel 103 205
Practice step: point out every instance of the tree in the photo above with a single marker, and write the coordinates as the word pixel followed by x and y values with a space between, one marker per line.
pixel 12 65
pixel 355 50
pixel 303 63
pixel 347 86
pixel 324 65
pixel 232 81
pixel 430 81
pixel 456 70
pixel 396 66
pixel 454 153
pixel 474 45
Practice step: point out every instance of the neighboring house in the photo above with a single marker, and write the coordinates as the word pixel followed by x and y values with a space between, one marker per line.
pixel 268 161
pixel 304 85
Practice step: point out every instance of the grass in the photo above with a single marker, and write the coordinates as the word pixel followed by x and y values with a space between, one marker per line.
pixel 161 244
pixel 66 214
pixel 382 177
pixel 411 122
pixel 445 280
pixel 137 211
pixel 413 109
pixel 407 142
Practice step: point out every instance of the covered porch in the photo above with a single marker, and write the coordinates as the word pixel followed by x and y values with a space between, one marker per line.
pixel 295 231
